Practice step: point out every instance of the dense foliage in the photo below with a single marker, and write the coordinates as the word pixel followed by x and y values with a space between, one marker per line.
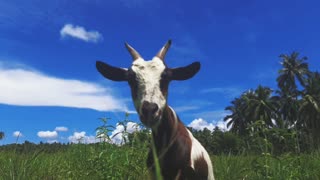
pixel 290 115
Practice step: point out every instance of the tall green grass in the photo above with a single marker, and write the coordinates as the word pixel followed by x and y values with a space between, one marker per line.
pixel 284 167
pixel 106 161
pixel 80 161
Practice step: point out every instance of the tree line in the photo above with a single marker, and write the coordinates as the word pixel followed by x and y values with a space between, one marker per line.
pixel 287 118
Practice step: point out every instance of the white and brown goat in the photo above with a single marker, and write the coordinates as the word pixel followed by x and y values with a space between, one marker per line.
pixel 181 156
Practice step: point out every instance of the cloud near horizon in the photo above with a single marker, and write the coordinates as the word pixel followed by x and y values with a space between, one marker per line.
pixel 200 124
pixel 81 137
pixel 117 134
pixel 48 134
pixel 17 134
pixel 79 32
pixel 20 86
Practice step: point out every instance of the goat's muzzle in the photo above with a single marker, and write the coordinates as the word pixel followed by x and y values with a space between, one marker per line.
pixel 150 114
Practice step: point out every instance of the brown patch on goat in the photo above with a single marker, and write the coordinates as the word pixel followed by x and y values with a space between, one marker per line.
pixel 201 168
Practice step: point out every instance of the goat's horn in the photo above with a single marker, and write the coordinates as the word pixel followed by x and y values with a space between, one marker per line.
pixel 135 55
pixel 163 51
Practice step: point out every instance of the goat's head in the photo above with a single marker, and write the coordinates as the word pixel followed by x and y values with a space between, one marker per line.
pixel 149 81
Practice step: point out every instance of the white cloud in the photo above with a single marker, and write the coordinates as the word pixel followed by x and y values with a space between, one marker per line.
pixel 26 87
pixel 132 127
pixel 77 136
pixel 82 138
pixel 61 129
pixel 117 135
pixel 223 125
pixel 200 124
pixel 81 33
pixel 47 134
pixel 17 134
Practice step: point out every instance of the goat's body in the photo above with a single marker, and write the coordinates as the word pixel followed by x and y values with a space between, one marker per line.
pixel 200 160
pixel 180 155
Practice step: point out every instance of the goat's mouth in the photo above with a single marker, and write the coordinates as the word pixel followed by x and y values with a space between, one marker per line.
pixel 150 121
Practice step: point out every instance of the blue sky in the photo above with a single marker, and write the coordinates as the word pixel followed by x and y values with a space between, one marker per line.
pixel 51 91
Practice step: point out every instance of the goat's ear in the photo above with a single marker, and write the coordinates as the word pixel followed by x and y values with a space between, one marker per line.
pixel 184 73
pixel 112 73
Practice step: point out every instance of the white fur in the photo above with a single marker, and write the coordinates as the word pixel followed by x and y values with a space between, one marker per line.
pixel 197 150
pixel 175 117
pixel 148 74
pixel 174 113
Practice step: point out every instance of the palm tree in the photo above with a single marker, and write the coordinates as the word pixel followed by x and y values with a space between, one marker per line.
pixel 253 105
pixel 310 107
pixel 288 113
pixel 293 68
pixel 236 120
pixel 261 105
pixel 1 135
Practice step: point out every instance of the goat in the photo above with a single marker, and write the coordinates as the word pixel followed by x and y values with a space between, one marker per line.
pixel 180 155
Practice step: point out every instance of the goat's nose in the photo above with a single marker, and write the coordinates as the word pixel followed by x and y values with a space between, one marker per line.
pixel 149 109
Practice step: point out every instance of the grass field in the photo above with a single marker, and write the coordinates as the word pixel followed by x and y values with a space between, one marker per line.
pixel 106 161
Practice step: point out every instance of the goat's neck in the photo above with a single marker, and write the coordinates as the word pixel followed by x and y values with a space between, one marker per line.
pixel 166 132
